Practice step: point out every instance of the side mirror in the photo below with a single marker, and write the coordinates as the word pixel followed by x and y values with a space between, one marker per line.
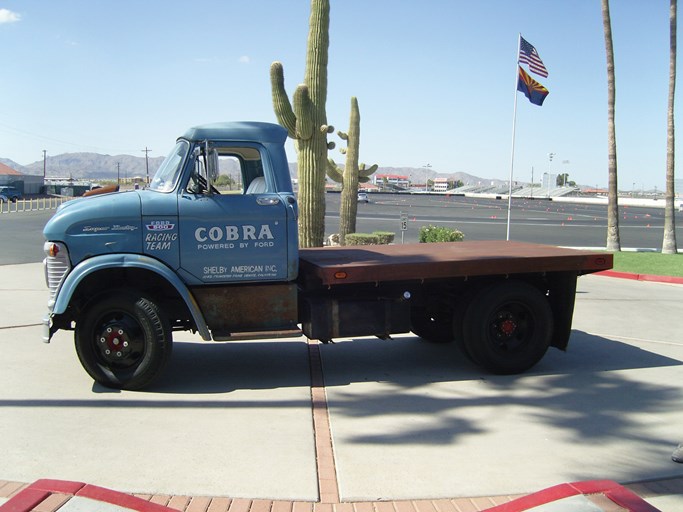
pixel 212 165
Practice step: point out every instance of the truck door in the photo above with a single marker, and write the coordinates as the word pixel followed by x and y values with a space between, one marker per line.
pixel 233 225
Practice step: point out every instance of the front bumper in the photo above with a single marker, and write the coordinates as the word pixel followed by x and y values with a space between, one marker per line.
pixel 47 328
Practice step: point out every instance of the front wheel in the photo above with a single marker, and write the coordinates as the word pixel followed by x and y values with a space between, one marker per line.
pixel 507 327
pixel 123 341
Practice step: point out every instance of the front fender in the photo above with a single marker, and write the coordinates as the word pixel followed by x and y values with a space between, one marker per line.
pixel 107 261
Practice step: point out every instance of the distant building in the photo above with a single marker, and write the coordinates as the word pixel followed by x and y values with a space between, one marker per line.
pixel 24 183
pixel 8 174
pixel 391 179
pixel 440 185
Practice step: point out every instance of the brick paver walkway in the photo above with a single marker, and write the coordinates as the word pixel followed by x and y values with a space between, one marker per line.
pixel 53 501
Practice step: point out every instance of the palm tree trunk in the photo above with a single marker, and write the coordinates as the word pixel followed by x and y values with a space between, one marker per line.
pixel 613 243
pixel 669 243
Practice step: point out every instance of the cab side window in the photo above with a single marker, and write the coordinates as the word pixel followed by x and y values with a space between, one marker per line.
pixel 240 172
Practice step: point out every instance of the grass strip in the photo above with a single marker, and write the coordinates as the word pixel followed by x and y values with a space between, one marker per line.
pixel 652 263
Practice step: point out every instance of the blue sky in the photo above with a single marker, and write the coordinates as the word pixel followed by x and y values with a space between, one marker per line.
pixel 435 79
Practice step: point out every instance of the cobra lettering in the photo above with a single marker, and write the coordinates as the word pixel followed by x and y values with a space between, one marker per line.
pixel 232 233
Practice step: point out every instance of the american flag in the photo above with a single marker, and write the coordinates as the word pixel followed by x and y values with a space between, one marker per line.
pixel 529 55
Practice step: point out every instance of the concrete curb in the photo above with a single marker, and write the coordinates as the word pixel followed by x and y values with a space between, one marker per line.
pixel 641 277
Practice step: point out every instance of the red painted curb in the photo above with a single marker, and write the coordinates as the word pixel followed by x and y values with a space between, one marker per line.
pixel 641 277
pixel 26 500
pixel 608 488
pixel 40 490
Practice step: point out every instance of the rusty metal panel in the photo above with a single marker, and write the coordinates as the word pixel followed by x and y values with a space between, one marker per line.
pixel 328 318
pixel 379 263
pixel 241 308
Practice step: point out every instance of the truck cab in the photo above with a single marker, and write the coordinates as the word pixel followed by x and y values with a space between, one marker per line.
pixel 220 211
pixel 222 208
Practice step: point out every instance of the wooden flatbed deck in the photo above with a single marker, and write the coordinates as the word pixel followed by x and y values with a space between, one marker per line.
pixel 379 263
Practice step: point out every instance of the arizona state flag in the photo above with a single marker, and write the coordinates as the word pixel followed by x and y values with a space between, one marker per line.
pixel 531 88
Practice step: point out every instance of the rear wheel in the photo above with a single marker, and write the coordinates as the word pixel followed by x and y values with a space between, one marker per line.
pixel 507 327
pixel 123 341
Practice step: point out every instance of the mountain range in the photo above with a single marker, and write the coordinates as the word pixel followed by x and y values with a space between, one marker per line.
pixel 94 166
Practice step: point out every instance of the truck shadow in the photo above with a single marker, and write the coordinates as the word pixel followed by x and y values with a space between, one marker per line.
pixel 407 362
pixel 423 397
pixel 429 394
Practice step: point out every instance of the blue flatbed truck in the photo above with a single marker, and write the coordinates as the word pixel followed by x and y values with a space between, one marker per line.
pixel 125 270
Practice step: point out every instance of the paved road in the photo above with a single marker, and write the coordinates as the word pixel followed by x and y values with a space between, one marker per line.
pixel 22 236
pixel 541 221
pixel 408 419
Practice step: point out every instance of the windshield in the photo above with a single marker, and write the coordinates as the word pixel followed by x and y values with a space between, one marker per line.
pixel 166 176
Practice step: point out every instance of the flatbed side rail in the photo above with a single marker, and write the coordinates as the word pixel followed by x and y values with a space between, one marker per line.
pixel 381 263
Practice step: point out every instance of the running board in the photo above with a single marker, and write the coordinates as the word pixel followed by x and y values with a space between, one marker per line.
pixel 256 335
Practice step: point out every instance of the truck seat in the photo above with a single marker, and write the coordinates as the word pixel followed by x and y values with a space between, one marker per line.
pixel 257 185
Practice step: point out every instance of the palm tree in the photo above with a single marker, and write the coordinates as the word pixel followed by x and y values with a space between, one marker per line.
pixel 613 243
pixel 669 243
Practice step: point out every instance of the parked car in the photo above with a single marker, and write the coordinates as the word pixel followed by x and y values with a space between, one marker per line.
pixel 362 197
pixel 8 194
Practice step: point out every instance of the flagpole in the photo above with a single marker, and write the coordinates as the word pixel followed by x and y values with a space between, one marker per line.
pixel 514 124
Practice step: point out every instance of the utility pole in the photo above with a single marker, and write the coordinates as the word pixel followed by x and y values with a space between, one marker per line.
pixel 146 151
pixel 44 164
pixel 118 173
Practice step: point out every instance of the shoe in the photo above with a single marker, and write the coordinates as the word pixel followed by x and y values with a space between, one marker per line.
pixel 677 455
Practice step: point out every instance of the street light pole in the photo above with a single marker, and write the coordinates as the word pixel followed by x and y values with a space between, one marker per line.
pixel 550 161
pixel 426 167
pixel 532 181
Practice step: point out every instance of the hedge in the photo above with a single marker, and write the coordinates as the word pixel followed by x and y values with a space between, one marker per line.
pixel 385 237
pixel 361 239
pixel 431 233
pixel 376 238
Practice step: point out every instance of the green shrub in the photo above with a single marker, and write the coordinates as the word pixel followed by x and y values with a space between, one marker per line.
pixel 431 233
pixel 361 239
pixel 385 237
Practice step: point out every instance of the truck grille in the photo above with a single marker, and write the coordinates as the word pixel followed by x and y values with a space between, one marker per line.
pixel 57 266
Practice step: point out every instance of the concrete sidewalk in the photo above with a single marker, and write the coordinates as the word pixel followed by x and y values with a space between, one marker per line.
pixel 408 424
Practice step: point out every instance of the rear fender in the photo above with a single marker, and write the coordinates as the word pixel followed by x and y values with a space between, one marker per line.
pixel 112 261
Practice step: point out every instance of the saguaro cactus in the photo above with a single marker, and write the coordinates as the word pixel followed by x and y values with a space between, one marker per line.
pixel 351 175
pixel 306 123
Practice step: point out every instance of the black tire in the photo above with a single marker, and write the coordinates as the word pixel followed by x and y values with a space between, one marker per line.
pixel 508 327
pixel 123 341
pixel 434 326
